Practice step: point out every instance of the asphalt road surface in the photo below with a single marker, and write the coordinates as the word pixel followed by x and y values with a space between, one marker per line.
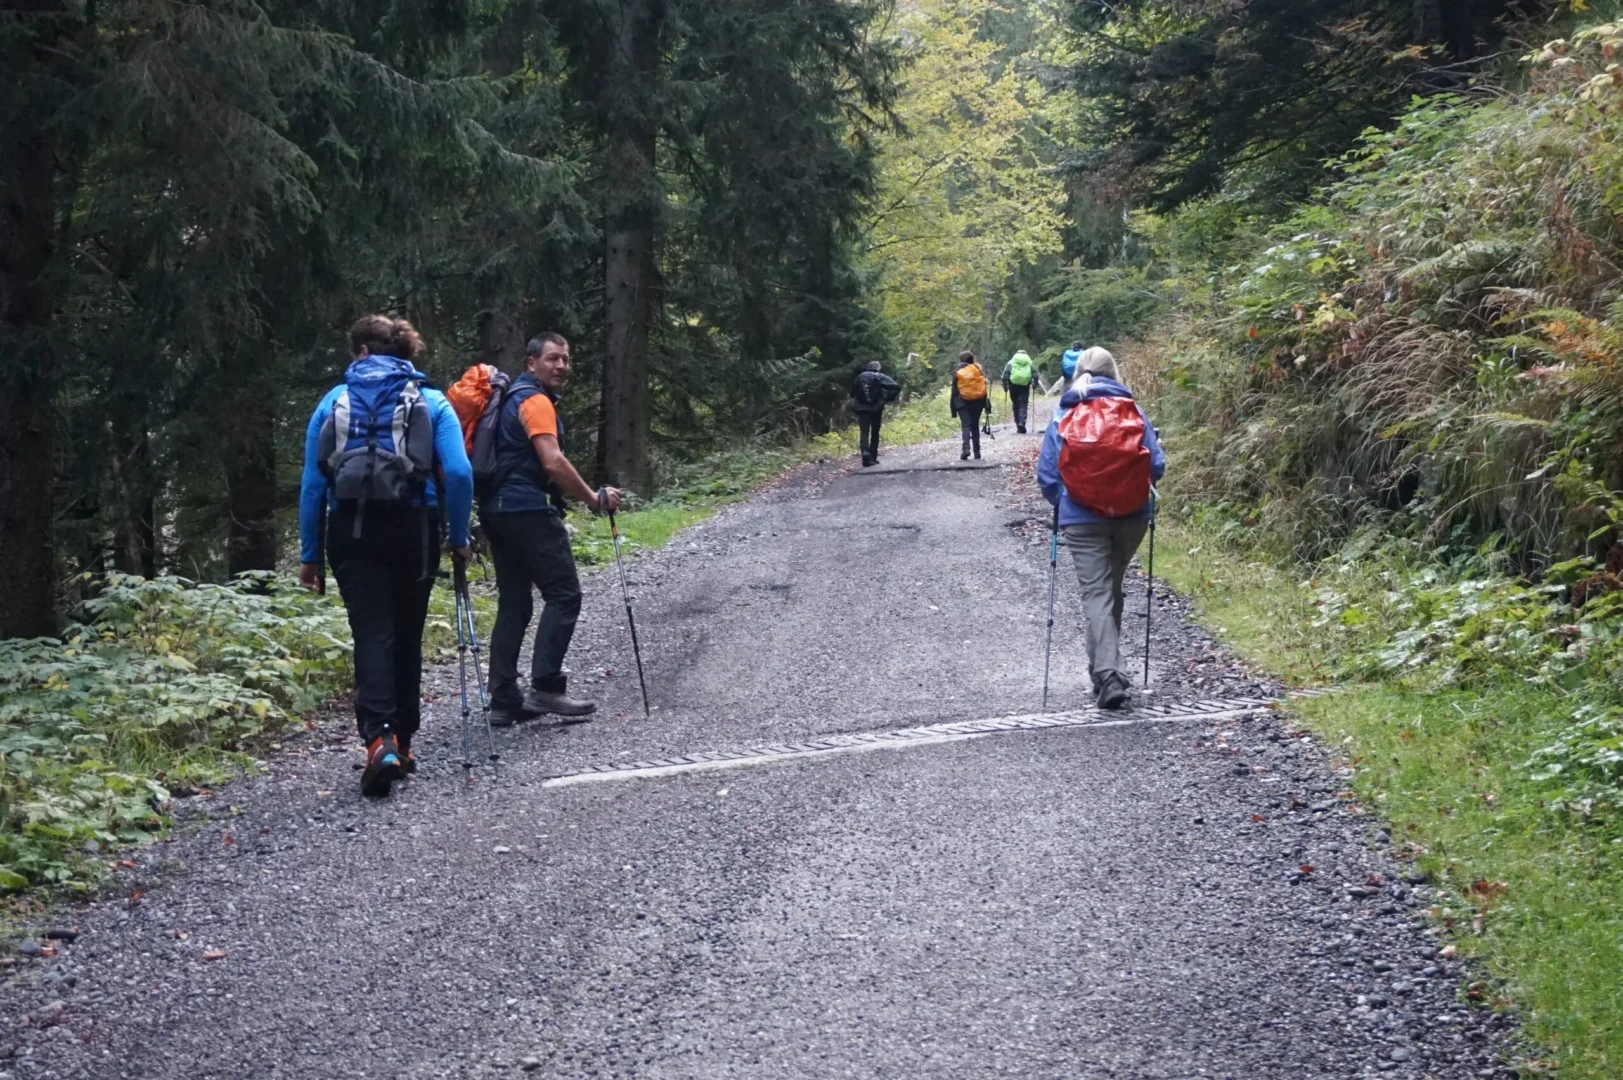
pixel 780 885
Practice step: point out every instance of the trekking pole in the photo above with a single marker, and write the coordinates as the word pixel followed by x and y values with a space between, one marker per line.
pixel 631 621
pixel 1149 587
pixel 462 679
pixel 1053 581
pixel 465 603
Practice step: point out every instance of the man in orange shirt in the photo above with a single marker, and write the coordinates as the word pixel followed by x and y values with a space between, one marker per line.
pixel 524 521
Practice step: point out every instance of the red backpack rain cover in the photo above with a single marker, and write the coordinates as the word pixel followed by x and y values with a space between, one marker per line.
pixel 1102 460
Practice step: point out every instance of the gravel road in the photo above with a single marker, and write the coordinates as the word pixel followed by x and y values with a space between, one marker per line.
pixel 1174 899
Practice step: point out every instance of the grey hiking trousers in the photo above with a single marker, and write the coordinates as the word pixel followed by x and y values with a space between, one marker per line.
pixel 1101 551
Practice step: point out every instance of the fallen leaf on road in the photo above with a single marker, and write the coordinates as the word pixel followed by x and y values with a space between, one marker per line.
pixel 214 954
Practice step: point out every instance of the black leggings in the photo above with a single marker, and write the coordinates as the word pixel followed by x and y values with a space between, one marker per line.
pixel 1019 400
pixel 969 418
pixel 385 576
pixel 868 434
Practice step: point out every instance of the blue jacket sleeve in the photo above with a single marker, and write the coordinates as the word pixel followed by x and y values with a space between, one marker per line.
pixel 1048 464
pixel 313 485
pixel 457 498
pixel 1158 457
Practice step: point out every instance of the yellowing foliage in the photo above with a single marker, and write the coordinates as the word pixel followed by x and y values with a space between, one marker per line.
pixel 964 196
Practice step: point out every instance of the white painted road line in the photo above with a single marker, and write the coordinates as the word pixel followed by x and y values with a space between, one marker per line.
pixel 908 738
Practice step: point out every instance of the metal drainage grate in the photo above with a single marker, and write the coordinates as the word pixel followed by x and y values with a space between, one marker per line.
pixel 1223 708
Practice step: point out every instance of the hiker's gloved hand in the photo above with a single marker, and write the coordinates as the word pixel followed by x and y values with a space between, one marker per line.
pixel 310 576
pixel 463 555
pixel 608 500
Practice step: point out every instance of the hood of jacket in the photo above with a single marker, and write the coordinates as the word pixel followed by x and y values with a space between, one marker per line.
pixel 377 368
pixel 1098 386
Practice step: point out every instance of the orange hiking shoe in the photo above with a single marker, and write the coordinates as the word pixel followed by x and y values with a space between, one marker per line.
pixel 408 759
pixel 383 767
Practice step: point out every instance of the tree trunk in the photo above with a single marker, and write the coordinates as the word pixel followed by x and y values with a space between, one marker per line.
pixel 27 405
pixel 1428 22
pixel 630 232
pixel 628 280
pixel 135 538
pixel 250 481
pixel 501 337
pixel 250 396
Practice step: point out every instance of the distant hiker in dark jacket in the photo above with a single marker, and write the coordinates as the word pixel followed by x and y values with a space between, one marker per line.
pixel 1100 545
pixel 383 466
pixel 524 521
pixel 970 398
pixel 869 394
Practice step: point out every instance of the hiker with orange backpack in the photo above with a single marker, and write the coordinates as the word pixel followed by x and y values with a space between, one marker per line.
pixel 1099 460
pixel 522 477
pixel 970 397
pixel 383 468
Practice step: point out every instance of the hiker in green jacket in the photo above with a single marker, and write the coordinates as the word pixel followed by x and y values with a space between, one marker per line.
pixel 1018 374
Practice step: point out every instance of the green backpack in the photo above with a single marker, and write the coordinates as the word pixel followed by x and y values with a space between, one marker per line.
pixel 1020 369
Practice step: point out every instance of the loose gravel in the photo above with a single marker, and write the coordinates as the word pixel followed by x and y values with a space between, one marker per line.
pixel 1197 899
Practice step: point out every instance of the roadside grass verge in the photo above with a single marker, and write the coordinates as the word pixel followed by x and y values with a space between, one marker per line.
pixel 1481 715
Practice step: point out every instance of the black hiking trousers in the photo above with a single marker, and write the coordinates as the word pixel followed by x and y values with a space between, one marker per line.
pixel 1019 402
pixel 969 419
pixel 531 551
pixel 385 577
pixel 868 434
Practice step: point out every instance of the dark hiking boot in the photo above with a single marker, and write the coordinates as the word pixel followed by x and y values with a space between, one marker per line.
pixel 964 456
pixel 867 463
pixel 1112 691
pixel 508 715
pixel 383 767
pixel 571 710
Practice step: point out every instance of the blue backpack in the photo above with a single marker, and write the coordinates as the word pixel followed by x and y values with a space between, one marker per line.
pixel 378 443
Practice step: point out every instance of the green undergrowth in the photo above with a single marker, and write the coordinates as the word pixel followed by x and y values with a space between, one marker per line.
pixel 161 689
pixel 1484 717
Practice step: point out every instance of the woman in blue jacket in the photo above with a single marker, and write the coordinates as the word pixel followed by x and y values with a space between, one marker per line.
pixel 383 461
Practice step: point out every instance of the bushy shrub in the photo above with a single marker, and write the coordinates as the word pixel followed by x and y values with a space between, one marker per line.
pixel 1433 345
pixel 153 691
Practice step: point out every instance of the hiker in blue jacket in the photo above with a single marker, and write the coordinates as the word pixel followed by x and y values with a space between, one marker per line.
pixel 1100 547
pixel 384 468
pixel 1067 366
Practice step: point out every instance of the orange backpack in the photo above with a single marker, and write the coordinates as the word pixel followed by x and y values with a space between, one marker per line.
pixel 478 398
pixel 971 382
